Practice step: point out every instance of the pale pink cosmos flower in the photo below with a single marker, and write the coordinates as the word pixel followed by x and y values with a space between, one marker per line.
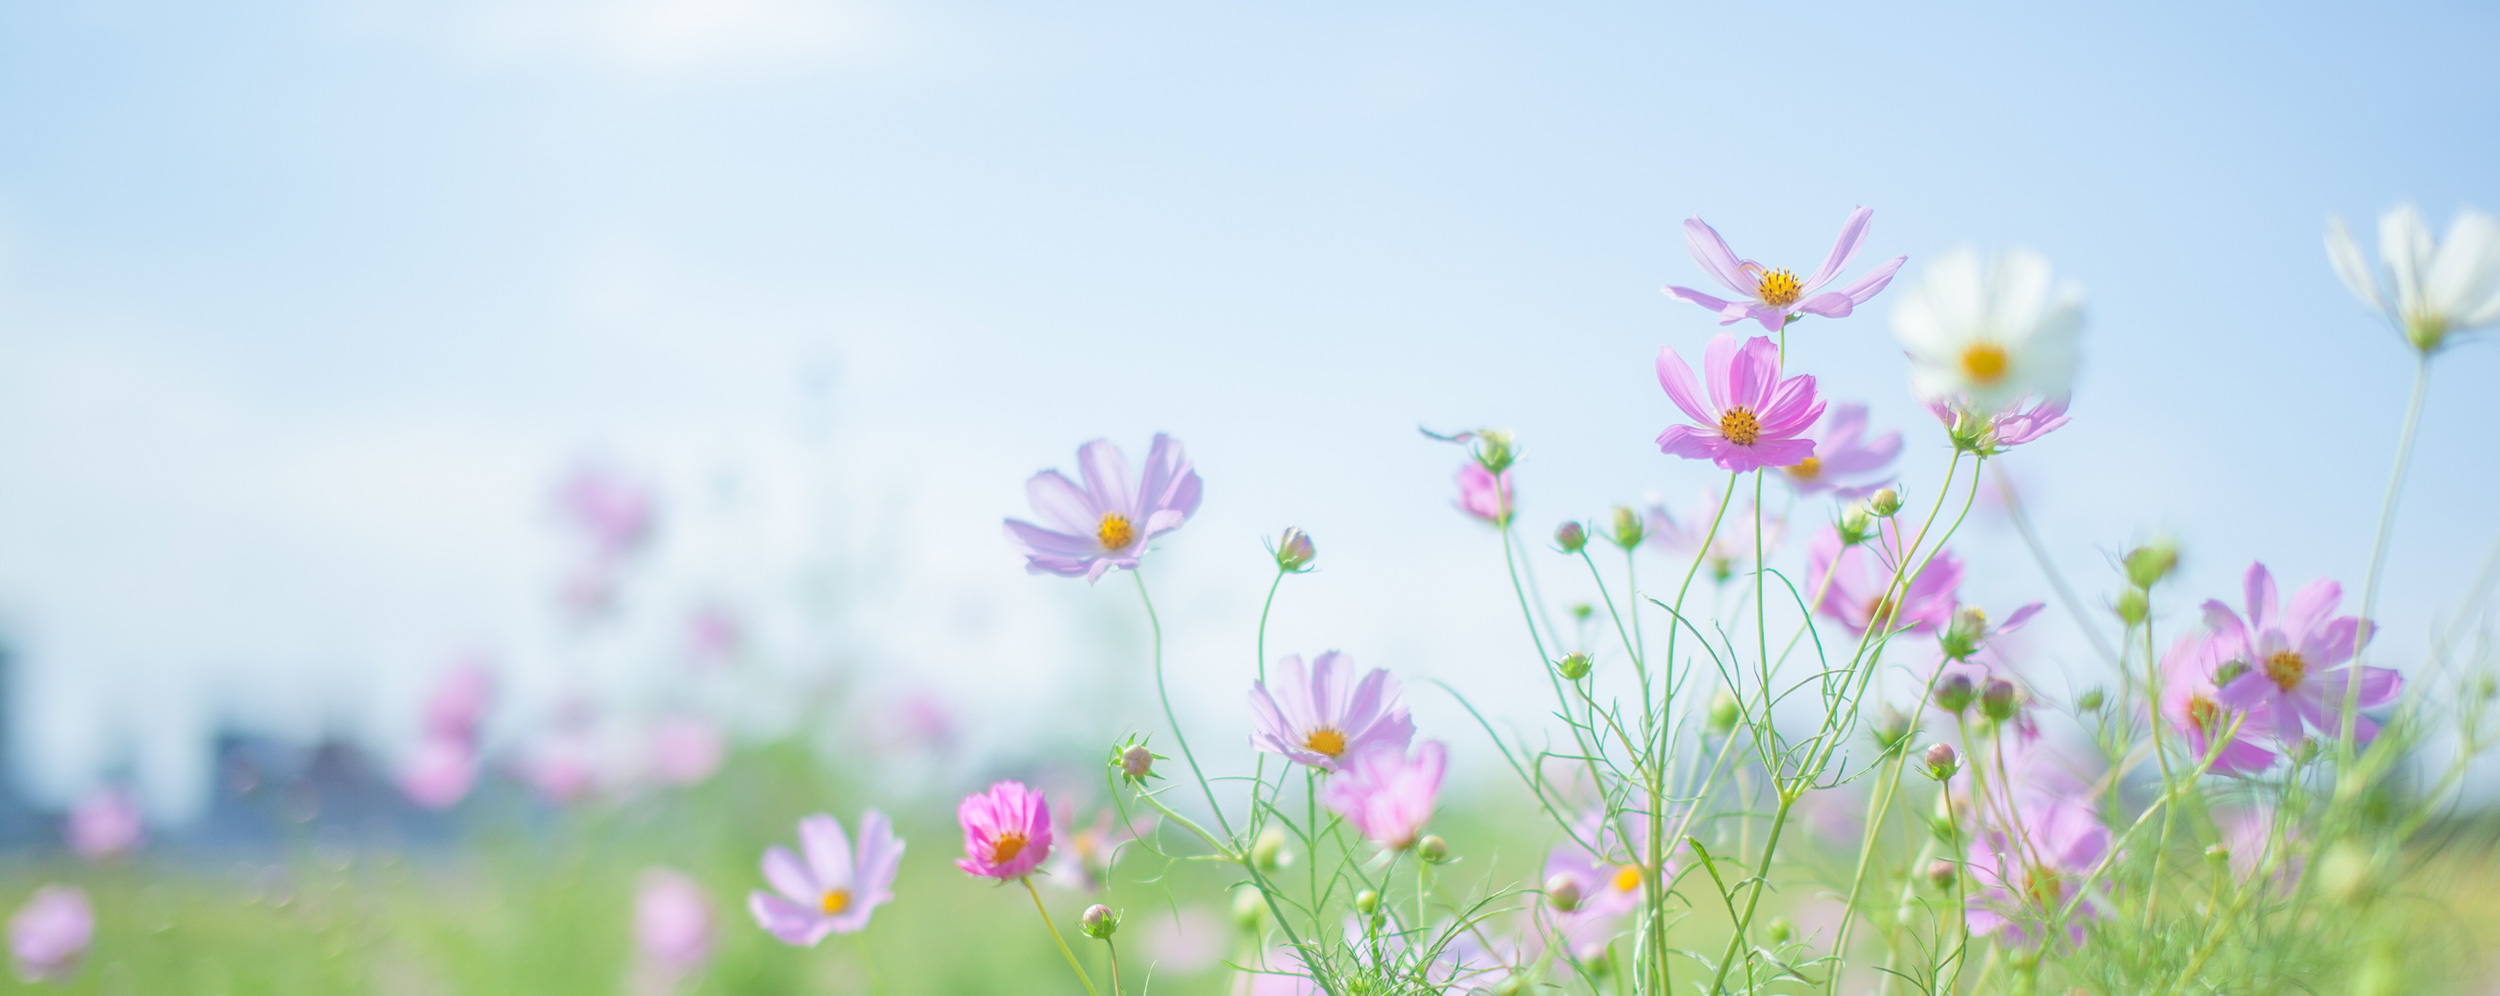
pixel 2286 663
pixel 611 511
pixel 714 636
pixel 1007 831
pixel 1084 863
pixel 440 773
pixel 49 936
pixel 1107 523
pixel 1845 463
pixel 1775 297
pixel 2026 870
pixel 1991 433
pixel 105 824
pixel 460 701
pixel 1326 717
pixel 2191 703
pixel 835 889
pixel 1731 545
pixel 1752 419
pixel 1858 598
pixel 1612 879
pixel 685 750
pixel 1484 495
pixel 672 930
pixel 2249 834
pixel 1388 796
pixel 1185 942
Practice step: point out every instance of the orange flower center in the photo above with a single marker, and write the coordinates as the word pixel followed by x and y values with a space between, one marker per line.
pixel 1740 426
pixel 1116 533
pixel 1627 878
pixel 2043 886
pixel 1778 288
pixel 1008 846
pixel 1807 469
pixel 837 900
pixel 1879 610
pixel 2286 669
pixel 1325 741
pixel 1984 362
pixel 2203 712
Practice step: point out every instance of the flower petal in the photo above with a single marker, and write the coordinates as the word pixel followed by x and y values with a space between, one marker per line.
pixel 1717 360
pixel 828 851
pixel 1105 470
pixel 1677 379
pixel 1844 248
pixel 1716 258
pixel 2354 270
pixel 2404 245
pixel 1062 504
pixel 788 876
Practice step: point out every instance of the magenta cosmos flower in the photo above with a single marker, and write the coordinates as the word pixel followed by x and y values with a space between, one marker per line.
pixel 1753 419
pixel 2025 874
pixel 2287 663
pixel 1857 597
pixel 1387 795
pixel 2191 703
pixel 1774 296
pixel 49 936
pixel 1106 523
pixel 440 773
pixel 672 929
pixel 1328 717
pixel 835 889
pixel 1845 463
pixel 105 824
pixel 1485 495
pixel 1006 831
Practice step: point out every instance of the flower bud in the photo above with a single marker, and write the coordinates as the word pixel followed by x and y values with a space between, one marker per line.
pixel 2091 700
pixel 1494 451
pixel 1891 727
pixel 1954 693
pixel 1997 699
pixel 2305 751
pixel 1367 902
pixel 1781 930
pixel 1433 850
pixel 1137 763
pixel 1562 892
pixel 1581 611
pixel 1249 909
pixel 1942 874
pixel 1570 537
pixel 2132 607
pixel 1573 668
pixel 2218 854
pixel 1723 711
pixel 1294 550
pixel 2229 672
pixel 2148 564
pixel 1884 503
pixel 1942 761
pixel 1628 529
pixel 1856 525
pixel 1961 638
pixel 1268 852
pixel 1098 922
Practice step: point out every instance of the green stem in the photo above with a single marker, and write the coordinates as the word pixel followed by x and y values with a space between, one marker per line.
pixel 2378 553
pixel 1263 610
pixel 1054 935
pixel 1162 693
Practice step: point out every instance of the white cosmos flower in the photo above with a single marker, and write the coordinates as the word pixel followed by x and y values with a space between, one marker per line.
pixel 2440 288
pixel 1983 337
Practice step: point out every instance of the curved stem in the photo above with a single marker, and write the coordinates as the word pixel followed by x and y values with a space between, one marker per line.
pixel 1263 610
pixel 1054 935
pixel 2378 550
pixel 1156 622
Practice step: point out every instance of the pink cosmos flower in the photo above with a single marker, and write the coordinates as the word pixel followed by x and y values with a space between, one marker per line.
pixel 49 936
pixel 1844 462
pixel 105 824
pixel 1105 524
pixel 1281 975
pixel 835 889
pixel 1006 831
pixel 1387 795
pixel 685 750
pixel 1611 878
pixel 2286 663
pixel 440 773
pixel 1732 545
pixel 672 930
pixel 2025 873
pixel 1185 942
pixel 2190 702
pixel 1085 863
pixel 2248 833
pixel 1753 419
pixel 1991 433
pixel 1775 297
pixel 460 700
pixel 1484 496
pixel 1857 599
pixel 610 510
pixel 1327 718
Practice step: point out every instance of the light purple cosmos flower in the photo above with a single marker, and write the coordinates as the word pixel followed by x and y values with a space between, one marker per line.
pixel 1611 878
pixel 685 750
pixel 835 889
pixel 1387 795
pixel 612 511
pixel 2027 872
pixel 1989 434
pixel 2190 701
pixel 672 930
pixel 105 824
pixel 440 773
pixel 1733 544
pixel 2286 664
pixel 460 701
pixel 2249 833
pixel 1485 496
pixel 1084 863
pixel 49 936
pixel 1857 598
pixel 1105 524
pixel 1775 297
pixel 1327 717
pixel 1844 462
pixel 1006 831
pixel 1753 419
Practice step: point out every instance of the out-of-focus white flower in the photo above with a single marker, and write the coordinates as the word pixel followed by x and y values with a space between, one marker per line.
pixel 1983 336
pixel 2431 290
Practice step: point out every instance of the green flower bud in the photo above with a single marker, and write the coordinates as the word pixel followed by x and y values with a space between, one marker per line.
pixel 1268 852
pixel 1367 902
pixel 1891 727
pixel 1098 922
pixel 1628 528
pixel 1962 637
pixel 1570 537
pixel 1942 874
pixel 1249 908
pixel 1494 451
pixel 1581 611
pixel 1294 550
pixel 1562 892
pixel 2132 607
pixel 2148 564
pixel 1856 525
pixel 1723 711
pixel 1954 693
pixel 1433 850
pixel 1884 503
pixel 2091 700
pixel 1942 761
pixel 1781 930
pixel 2218 855
pixel 1998 698
pixel 1573 668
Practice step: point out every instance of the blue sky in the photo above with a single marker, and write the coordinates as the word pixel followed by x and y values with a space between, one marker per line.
pixel 302 305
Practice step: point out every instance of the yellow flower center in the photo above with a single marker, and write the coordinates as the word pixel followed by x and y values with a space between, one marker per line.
pixel 1778 288
pixel 2203 712
pixel 1879 611
pixel 2286 669
pixel 1807 469
pixel 1008 846
pixel 2043 886
pixel 1116 533
pixel 1740 426
pixel 1984 362
pixel 1325 741
pixel 1627 878
pixel 837 900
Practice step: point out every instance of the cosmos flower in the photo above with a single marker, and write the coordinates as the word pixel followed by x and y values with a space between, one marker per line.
pixel 440 773
pixel 1774 296
pixel 1485 495
pixel 835 889
pixel 49 936
pixel 1084 861
pixel 1857 599
pixel 1753 418
pixel 2285 664
pixel 1986 339
pixel 685 750
pixel 614 513
pixel 1844 462
pixel 105 824
pixel 1327 717
pixel 2249 834
pixel 2190 702
pixel 1105 524
pixel 1610 879
pixel 1388 796
pixel 460 701
pixel 672 930
pixel 1006 831
pixel 1991 433
pixel 2027 872
pixel 1732 545
pixel 2431 290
